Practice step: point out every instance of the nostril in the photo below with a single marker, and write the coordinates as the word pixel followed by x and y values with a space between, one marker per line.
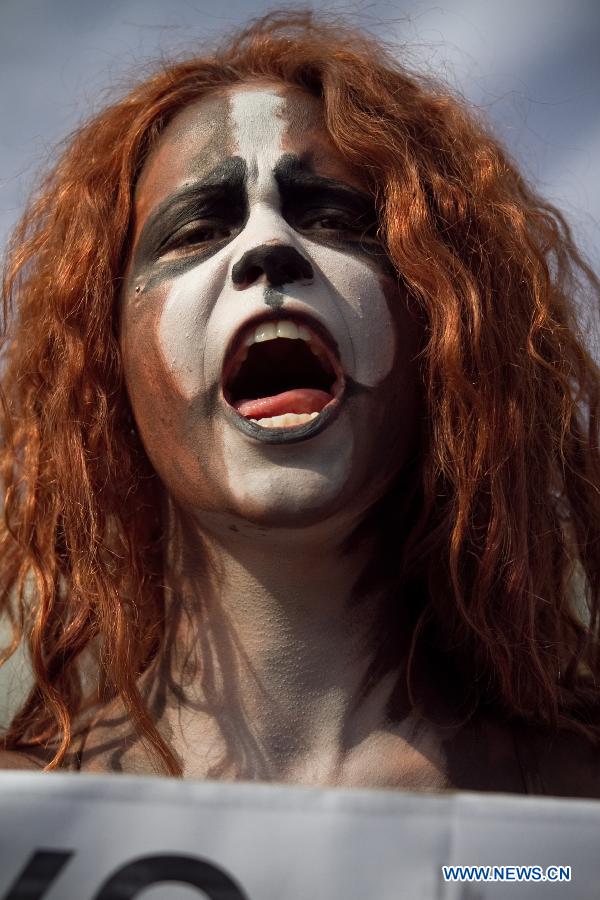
pixel 253 273
pixel 246 277
pixel 280 263
pixel 246 272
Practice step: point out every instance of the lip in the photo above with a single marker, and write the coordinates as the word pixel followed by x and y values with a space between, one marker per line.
pixel 290 434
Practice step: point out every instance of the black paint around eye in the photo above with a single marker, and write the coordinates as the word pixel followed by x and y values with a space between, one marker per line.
pixel 334 220
pixel 220 196
pixel 202 230
pixel 352 229
pixel 173 267
pixel 306 196
pixel 356 211
pixel 178 230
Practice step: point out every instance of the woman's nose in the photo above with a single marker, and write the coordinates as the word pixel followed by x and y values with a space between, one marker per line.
pixel 279 263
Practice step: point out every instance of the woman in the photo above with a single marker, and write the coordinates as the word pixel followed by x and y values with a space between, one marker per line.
pixel 300 448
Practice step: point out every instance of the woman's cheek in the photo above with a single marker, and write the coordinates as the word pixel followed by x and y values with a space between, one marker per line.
pixel 364 294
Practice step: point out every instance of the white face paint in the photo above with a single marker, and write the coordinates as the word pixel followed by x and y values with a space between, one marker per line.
pixel 264 110
pixel 188 309
pixel 346 298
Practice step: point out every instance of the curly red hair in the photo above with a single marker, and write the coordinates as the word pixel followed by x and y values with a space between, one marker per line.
pixel 507 518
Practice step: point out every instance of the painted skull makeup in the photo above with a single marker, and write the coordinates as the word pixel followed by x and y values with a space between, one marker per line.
pixel 268 352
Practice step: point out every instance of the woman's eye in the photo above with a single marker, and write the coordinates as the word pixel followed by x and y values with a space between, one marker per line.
pixel 329 222
pixel 200 234
pixel 339 221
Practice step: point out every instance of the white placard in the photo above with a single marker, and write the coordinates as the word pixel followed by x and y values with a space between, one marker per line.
pixel 115 837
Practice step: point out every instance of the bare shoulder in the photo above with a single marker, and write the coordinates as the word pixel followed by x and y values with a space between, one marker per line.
pixel 10 759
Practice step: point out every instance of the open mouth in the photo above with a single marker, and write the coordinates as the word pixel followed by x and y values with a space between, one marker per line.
pixel 282 373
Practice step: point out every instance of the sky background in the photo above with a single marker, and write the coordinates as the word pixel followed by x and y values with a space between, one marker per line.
pixel 533 67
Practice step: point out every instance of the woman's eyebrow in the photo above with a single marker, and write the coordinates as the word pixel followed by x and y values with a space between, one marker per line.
pixel 294 174
pixel 225 183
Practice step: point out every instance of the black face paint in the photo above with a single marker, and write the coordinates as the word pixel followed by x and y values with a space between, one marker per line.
pixel 217 202
pixel 280 263
pixel 308 199
pixel 273 297
pixel 183 421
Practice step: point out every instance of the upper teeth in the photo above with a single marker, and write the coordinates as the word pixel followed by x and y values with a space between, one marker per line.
pixel 268 331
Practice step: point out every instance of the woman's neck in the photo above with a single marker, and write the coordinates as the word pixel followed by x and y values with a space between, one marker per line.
pixel 275 636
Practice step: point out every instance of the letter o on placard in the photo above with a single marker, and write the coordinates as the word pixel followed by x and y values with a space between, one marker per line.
pixel 130 879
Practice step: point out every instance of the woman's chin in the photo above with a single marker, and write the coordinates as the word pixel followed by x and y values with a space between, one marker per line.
pixel 298 502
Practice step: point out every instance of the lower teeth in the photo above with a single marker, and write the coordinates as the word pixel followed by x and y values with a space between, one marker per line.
pixel 286 420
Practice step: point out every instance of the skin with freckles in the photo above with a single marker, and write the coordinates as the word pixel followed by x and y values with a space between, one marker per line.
pixel 244 211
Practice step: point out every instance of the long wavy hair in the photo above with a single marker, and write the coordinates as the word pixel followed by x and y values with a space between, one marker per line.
pixel 505 540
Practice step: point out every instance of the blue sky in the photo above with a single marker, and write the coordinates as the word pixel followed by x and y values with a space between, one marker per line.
pixel 532 66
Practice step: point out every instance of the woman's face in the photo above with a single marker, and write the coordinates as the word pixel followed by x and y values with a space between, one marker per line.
pixel 268 349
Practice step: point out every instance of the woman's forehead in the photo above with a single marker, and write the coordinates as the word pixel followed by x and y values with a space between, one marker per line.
pixel 258 122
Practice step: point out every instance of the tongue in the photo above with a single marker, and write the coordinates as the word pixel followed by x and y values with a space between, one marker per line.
pixel 300 400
